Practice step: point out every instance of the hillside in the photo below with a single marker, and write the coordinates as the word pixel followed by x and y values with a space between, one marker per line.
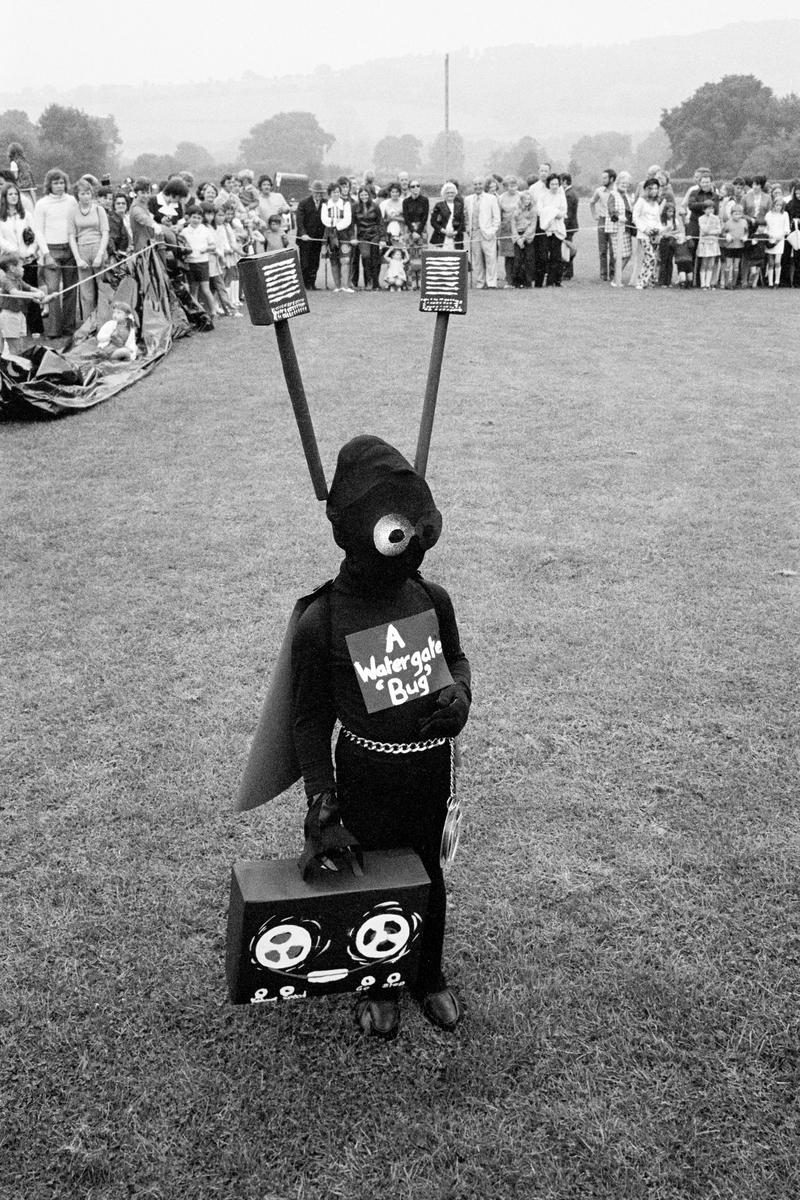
pixel 554 93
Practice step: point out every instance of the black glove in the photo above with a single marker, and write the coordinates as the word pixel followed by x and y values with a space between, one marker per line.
pixel 323 810
pixel 450 717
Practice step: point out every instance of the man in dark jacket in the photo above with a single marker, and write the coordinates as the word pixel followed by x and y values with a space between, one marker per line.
pixel 572 218
pixel 310 231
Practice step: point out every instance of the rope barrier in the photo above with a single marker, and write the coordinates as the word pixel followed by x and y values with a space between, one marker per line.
pixel 98 274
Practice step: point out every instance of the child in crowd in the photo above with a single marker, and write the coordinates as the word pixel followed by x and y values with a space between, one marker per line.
pixel 396 258
pixel 708 245
pixel 734 237
pixel 199 239
pixel 778 229
pixel 15 295
pixel 116 340
pixel 755 257
pixel 416 243
pixel 223 307
pixel 276 238
pixel 673 234
pixel 236 233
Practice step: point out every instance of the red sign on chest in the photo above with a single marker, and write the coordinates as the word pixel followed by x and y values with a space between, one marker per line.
pixel 399 661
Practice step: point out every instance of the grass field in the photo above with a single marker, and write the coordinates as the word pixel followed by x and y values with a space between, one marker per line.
pixel 619 478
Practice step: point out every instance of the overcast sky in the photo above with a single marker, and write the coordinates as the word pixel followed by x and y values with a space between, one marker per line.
pixel 101 41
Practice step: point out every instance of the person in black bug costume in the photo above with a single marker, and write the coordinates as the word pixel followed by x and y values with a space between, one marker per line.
pixel 393 771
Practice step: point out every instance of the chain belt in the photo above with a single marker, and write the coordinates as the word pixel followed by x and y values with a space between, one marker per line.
pixel 452 825
pixel 394 747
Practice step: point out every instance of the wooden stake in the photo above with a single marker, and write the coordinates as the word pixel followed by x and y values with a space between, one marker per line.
pixel 431 392
pixel 297 395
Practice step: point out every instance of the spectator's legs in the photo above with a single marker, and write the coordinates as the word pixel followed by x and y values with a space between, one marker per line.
pixel 64 274
pixel 477 261
pixel 539 257
pixel 489 248
pixel 603 248
pixel 30 273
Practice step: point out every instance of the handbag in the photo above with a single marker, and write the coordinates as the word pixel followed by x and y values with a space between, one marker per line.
pixel 793 239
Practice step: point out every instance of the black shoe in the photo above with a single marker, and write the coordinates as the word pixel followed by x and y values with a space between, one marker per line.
pixel 378 1018
pixel 442 1009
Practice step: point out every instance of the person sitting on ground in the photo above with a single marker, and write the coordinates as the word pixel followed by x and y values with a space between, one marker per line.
pixel 396 257
pixel 116 339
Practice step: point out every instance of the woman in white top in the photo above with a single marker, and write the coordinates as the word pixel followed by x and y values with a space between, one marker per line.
pixel 18 236
pixel 270 202
pixel 337 218
pixel 51 222
pixel 552 206
pixel 647 219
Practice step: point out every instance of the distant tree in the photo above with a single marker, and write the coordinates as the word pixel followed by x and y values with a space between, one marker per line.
pixel 69 138
pixel 395 154
pixel 446 156
pixel 720 123
pixel 332 170
pixel 778 159
pixel 156 166
pixel 289 141
pixel 590 156
pixel 652 150
pixel 16 126
pixel 192 156
pixel 520 158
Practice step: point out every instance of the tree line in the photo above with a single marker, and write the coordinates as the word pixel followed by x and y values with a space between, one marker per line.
pixel 735 126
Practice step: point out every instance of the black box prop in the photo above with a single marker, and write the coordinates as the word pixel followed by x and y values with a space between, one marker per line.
pixel 444 281
pixel 288 939
pixel 273 286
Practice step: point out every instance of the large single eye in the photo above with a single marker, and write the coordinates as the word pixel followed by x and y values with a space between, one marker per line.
pixel 392 534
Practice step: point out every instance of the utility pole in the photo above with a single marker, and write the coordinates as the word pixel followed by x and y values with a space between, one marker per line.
pixel 446 110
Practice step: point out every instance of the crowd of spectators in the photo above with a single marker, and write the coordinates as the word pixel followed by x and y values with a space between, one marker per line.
pixel 742 233
pixel 62 248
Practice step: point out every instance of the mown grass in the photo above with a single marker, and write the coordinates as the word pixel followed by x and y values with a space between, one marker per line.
pixel 618 474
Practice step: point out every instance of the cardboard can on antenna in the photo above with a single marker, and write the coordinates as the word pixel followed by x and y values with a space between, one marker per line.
pixel 273 286
pixel 444 281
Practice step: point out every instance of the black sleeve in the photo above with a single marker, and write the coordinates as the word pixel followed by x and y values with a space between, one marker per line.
pixel 301 219
pixel 313 713
pixel 457 660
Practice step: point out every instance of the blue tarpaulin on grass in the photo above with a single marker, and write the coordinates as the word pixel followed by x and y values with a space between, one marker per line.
pixel 44 382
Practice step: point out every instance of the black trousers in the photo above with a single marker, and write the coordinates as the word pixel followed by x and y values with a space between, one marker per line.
pixel 390 801
pixel 309 261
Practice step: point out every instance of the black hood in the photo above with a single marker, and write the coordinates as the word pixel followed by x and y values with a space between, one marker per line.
pixel 382 512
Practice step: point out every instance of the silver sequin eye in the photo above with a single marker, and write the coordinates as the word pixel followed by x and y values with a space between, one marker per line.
pixel 392 534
